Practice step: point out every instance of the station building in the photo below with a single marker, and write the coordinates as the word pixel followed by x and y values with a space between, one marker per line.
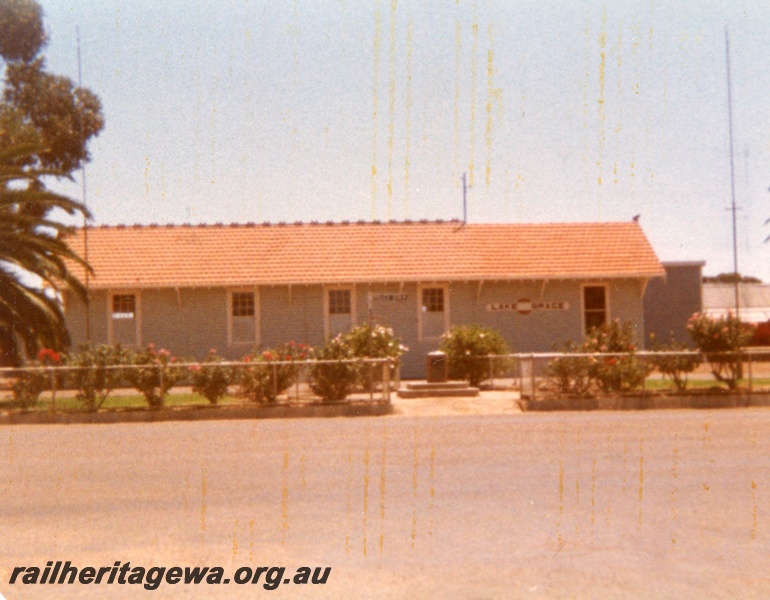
pixel 234 288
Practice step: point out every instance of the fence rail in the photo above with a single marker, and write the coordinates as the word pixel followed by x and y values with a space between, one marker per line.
pixel 383 374
pixel 528 369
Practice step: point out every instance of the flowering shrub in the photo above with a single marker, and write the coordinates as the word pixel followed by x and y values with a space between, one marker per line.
pixel 620 373
pixel 30 384
pixel 571 375
pixel 367 341
pixel 334 381
pixel 466 346
pixel 156 376
pixel 95 380
pixel 272 372
pixel 716 338
pixel 676 368
pixel 49 357
pixel 211 379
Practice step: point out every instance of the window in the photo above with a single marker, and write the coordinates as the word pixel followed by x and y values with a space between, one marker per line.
pixel 124 319
pixel 243 304
pixel 433 300
pixel 123 306
pixel 339 302
pixel 433 317
pixel 594 306
pixel 242 318
pixel 340 310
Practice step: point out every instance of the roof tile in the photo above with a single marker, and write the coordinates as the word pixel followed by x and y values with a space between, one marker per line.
pixel 235 255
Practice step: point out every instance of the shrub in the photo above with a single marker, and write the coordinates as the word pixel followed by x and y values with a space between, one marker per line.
pixel 676 368
pixel 272 372
pixel 373 341
pixel 211 380
pixel 571 375
pixel 717 338
pixel 334 381
pixel 95 380
pixel 155 375
pixel 621 373
pixel 466 346
pixel 30 383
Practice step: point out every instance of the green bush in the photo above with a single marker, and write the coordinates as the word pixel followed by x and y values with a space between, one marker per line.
pixel 94 380
pixel 716 339
pixel 466 346
pixel 373 341
pixel 676 368
pixel 334 381
pixel 621 373
pixel 31 383
pixel 571 375
pixel 211 379
pixel 581 375
pixel 265 379
pixel 155 375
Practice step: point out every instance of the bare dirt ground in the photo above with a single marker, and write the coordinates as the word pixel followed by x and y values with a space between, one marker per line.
pixel 460 498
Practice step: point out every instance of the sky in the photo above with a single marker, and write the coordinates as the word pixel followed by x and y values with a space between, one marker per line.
pixel 331 110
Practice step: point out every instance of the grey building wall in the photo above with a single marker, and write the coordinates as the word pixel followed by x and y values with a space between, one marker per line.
pixel 670 302
pixel 191 321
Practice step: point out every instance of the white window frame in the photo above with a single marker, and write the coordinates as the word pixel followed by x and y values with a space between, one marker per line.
pixel 137 316
pixel 420 288
pixel 257 310
pixel 334 288
pixel 583 287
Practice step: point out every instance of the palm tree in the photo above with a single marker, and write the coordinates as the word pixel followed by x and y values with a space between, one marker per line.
pixel 35 259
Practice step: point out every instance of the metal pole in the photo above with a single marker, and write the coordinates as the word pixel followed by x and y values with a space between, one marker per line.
pixel 275 382
pixel 386 379
pixel 732 175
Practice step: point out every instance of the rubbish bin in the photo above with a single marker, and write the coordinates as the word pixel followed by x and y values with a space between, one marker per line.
pixel 436 367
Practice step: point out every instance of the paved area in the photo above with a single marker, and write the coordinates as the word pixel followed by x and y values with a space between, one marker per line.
pixel 659 504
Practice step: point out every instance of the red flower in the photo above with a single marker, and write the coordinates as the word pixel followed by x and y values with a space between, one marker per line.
pixel 48 354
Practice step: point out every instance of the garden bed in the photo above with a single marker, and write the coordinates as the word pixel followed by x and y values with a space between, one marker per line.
pixel 346 408
pixel 698 399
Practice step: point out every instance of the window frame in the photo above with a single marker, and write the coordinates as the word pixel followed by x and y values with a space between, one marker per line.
pixel 111 295
pixel 421 337
pixel 231 317
pixel 351 289
pixel 584 311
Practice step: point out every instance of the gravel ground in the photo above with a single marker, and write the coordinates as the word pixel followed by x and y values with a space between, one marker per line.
pixel 465 498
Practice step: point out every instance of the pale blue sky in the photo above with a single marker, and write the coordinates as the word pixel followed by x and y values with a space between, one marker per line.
pixel 238 110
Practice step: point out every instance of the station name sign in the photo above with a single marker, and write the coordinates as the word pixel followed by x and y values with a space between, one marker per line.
pixel 525 306
pixel 388 297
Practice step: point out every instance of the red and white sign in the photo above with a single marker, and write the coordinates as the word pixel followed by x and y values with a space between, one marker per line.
pixel 525 306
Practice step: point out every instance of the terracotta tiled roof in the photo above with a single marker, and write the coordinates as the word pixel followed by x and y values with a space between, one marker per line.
pixel 242 255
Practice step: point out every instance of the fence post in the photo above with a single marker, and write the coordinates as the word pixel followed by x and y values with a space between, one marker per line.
pixel 275 382
pixel 751 379
pixel 371 381
pixel 160 383
pixel 52 379
pixel 491 372
pixel 386 379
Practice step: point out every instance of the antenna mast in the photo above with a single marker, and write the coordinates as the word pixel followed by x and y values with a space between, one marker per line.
pixel 85 205
pixel 733 208
pixel 465 200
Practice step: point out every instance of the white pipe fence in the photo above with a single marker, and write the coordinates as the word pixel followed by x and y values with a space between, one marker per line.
pixel 384 375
